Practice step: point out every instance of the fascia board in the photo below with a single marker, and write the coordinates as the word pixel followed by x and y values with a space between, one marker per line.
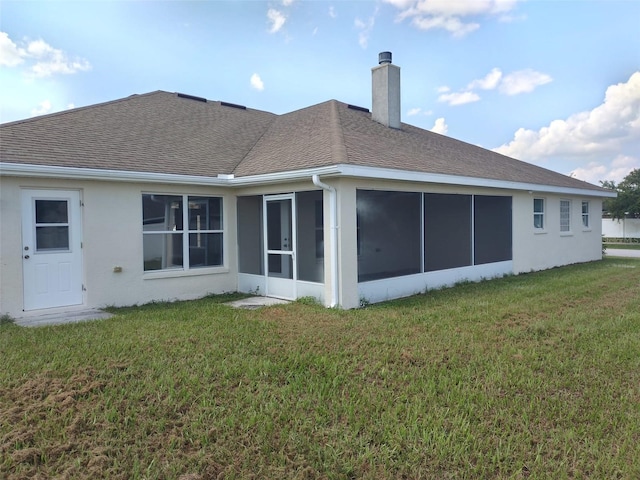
pixel 404 175
pixel 74 173
pixel 49 171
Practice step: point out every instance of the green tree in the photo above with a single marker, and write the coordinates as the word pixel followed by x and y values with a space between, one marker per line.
pixel 628 200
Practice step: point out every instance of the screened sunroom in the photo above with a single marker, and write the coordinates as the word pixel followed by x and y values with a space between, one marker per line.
pixel 412 241
pixel 281 244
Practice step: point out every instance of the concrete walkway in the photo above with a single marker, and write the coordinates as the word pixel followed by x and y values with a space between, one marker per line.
pixel 252 303
pixel 60 316
pixel 621 252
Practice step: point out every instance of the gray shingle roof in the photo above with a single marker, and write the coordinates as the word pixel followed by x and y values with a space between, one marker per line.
pixel 157 132
pixel 162 132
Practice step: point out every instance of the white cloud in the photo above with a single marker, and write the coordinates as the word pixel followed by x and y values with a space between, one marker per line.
pixel 42 59
pixel 458 98
pixel 287 3
pixel 365 27
pixel 489 82
pixel 523 81
pixel 256 82
pixel 514 83
pixel 418 111
pixel 610 129
pixel 595 172
pixel 332 12
pixel 10 54
pixel 449 15
pixel 440 126
pixel 452 25
pixel 277 20
pixel 43 108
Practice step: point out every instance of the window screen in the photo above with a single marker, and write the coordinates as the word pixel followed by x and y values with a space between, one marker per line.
pixel 492 229
pixel 447 231
pixel 388 234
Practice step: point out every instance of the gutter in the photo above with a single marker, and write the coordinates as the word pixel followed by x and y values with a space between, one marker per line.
pixel 333 221
pixel 343 170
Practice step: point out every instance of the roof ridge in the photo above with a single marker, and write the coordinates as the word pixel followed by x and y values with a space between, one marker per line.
pixel 250 150
pixel 338 145
pixel 85 107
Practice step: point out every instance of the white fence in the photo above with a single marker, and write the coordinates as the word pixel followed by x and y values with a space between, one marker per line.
pixel 623 228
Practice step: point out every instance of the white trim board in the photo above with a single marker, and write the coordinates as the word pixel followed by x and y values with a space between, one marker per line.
pixel 340 170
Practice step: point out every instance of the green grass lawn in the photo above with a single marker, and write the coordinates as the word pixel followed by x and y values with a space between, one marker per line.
pixel 533 376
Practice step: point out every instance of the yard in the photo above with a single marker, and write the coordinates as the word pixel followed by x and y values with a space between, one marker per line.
pixel 533 376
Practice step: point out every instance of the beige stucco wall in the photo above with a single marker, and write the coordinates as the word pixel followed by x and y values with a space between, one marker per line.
pixel 112 237
pixel 535 249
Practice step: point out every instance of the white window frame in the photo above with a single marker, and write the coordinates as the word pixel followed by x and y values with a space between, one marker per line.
pixel 539 214
pixel 586 217
pixel 565 216
pixel 186 232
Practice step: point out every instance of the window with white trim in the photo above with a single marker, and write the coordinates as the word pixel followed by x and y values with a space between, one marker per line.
pixel 538 213
pixel 585 214
pixel 175 237
pixel 565 215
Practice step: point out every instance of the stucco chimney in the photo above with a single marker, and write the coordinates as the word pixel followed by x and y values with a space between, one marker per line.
pixel 385 107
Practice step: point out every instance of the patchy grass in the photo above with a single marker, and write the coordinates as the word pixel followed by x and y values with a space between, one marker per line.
pixel 532 376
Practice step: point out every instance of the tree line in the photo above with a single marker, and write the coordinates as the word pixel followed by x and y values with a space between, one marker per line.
pixel 627 203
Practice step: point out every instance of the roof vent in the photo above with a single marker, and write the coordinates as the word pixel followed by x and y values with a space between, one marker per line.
pixel 192 97
pixel 384 57
pixel 359 109
pixel 233 105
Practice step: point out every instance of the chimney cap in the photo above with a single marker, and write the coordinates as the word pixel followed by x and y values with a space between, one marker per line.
pixel 384 57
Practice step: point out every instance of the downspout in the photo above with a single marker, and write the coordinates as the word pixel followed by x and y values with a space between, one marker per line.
pixel 333 221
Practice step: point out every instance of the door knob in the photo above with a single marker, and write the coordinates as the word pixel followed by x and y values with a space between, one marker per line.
pixel 26 256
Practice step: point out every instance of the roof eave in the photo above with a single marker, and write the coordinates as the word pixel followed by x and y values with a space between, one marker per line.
pixel 341 170
pixel 76 173
pixel 421 177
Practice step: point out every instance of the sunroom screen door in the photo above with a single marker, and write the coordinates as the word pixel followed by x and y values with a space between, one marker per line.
pixel 280 246
pixel 51 248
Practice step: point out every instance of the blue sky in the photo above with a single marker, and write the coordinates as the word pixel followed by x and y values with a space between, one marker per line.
pixel 555 83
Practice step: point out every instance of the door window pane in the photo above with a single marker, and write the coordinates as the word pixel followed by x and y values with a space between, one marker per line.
pixel 51 211
pixel 279 231
pixel 52 238
pixel 280 265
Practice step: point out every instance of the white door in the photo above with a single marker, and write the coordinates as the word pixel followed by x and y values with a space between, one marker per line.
pixel 280 246
pixel 51 248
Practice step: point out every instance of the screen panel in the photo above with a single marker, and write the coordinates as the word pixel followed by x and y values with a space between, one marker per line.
pixel 447 231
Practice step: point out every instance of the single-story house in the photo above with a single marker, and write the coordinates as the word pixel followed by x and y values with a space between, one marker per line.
pixel 166 196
